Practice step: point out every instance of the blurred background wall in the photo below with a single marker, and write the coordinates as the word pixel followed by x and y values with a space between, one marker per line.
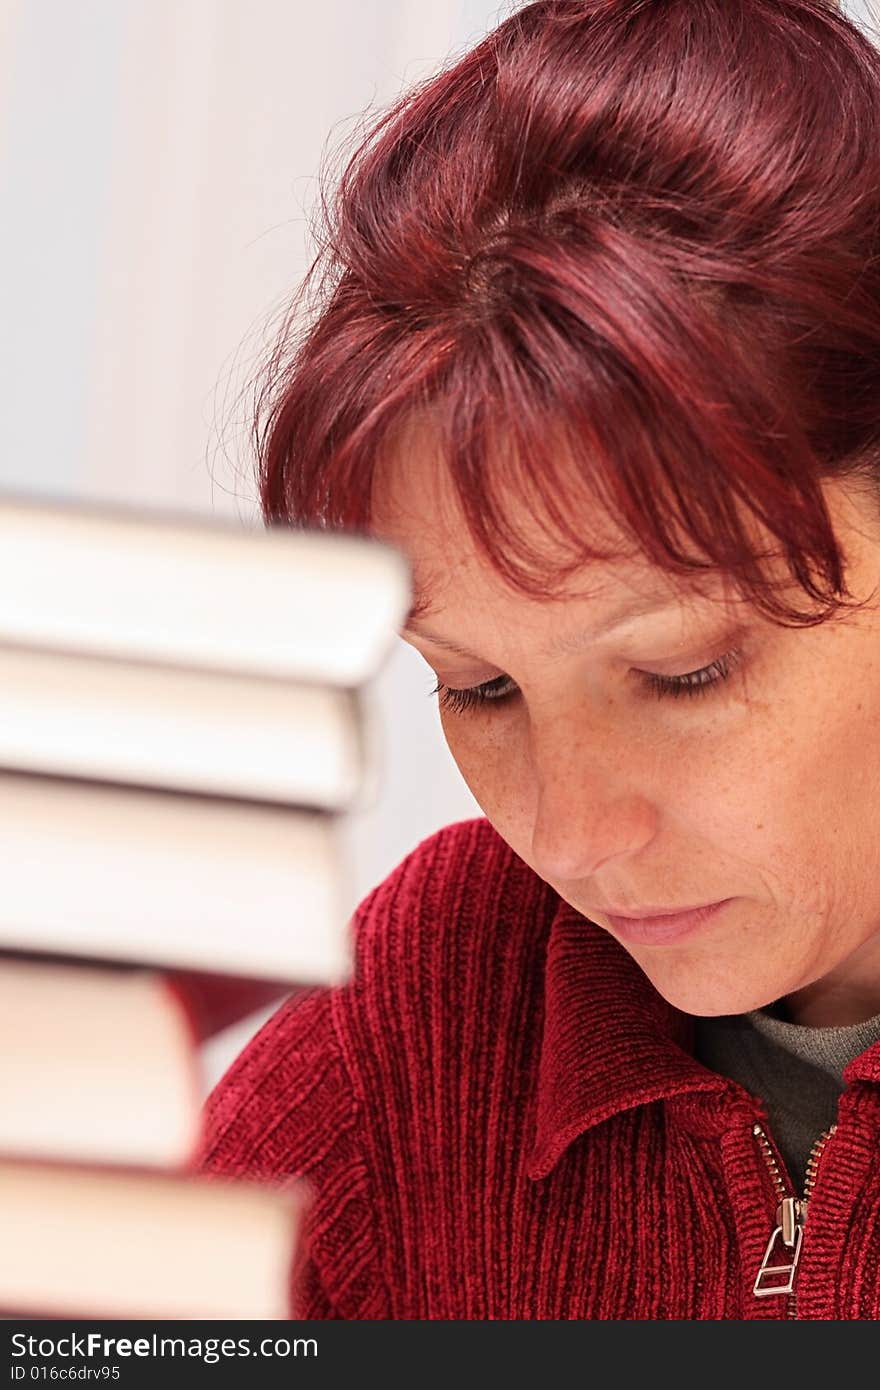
pixel 158 166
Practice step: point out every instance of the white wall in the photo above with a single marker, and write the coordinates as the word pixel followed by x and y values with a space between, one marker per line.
pixel 865 13
pixel 158 163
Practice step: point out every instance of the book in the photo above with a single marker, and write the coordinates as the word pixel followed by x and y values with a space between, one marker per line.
pixel 182 728
pixel 218 733
pixel 156 877
pixel 83 1241
pixel 100 1063
pixel 300 604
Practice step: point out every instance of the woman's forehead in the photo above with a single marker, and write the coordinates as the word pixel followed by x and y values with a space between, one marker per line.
pixel 415 507
pixel 605 593
pixel 414 502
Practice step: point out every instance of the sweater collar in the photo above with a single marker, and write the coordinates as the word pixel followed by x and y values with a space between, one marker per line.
pixel 610 1041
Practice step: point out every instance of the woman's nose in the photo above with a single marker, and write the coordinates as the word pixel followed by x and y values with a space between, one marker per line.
pixel 588 806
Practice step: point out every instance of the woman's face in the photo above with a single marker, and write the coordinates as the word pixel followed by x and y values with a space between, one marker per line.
pixel 763 788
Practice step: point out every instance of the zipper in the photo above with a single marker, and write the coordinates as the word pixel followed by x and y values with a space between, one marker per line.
pixel 773 1277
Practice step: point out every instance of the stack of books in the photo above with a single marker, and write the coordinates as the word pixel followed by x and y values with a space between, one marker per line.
pixel 182 729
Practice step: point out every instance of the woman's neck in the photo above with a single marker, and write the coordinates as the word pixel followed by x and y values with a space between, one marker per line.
pixel 848 994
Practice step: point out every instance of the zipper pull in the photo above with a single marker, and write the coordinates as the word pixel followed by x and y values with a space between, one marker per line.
pixel 790 1216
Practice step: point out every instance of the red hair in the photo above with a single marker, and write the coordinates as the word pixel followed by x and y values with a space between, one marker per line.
pixel 639 236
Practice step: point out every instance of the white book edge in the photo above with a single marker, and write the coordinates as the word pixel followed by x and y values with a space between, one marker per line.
pixel 121 873
pixel 78 1045
pixel 104 1242
pixel 298 603
pixel 216 733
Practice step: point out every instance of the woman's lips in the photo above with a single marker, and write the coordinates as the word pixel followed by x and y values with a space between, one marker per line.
pixel 659 931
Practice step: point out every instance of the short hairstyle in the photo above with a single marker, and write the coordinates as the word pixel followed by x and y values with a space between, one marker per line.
pixel 624 257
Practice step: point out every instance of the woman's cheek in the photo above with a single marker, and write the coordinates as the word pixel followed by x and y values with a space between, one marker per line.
pixel 492 760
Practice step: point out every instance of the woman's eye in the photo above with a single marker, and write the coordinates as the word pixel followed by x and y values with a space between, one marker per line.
pixel 691 683
pixel 459 700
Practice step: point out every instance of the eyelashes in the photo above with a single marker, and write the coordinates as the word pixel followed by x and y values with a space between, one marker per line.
pixel 690 684
pixel 460 700
pixel 698 682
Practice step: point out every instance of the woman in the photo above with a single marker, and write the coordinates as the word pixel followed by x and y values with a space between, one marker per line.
pixel 598 346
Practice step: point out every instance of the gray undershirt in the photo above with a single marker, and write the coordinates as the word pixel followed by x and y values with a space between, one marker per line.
pixel 795 1069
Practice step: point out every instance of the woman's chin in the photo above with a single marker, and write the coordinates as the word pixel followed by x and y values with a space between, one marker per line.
pixel 739 995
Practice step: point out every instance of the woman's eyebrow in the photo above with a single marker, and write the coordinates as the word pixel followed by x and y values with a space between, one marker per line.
pixel 560 646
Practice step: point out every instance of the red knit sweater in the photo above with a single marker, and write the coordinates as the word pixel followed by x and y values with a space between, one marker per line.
pixel 500 1117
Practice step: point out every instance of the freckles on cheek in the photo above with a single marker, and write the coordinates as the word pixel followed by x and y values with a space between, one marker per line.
pixel 490 766
pixel 797 784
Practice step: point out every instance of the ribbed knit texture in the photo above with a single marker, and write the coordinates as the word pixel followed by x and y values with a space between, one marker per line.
pixel 796 1069
pixel 500 1117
